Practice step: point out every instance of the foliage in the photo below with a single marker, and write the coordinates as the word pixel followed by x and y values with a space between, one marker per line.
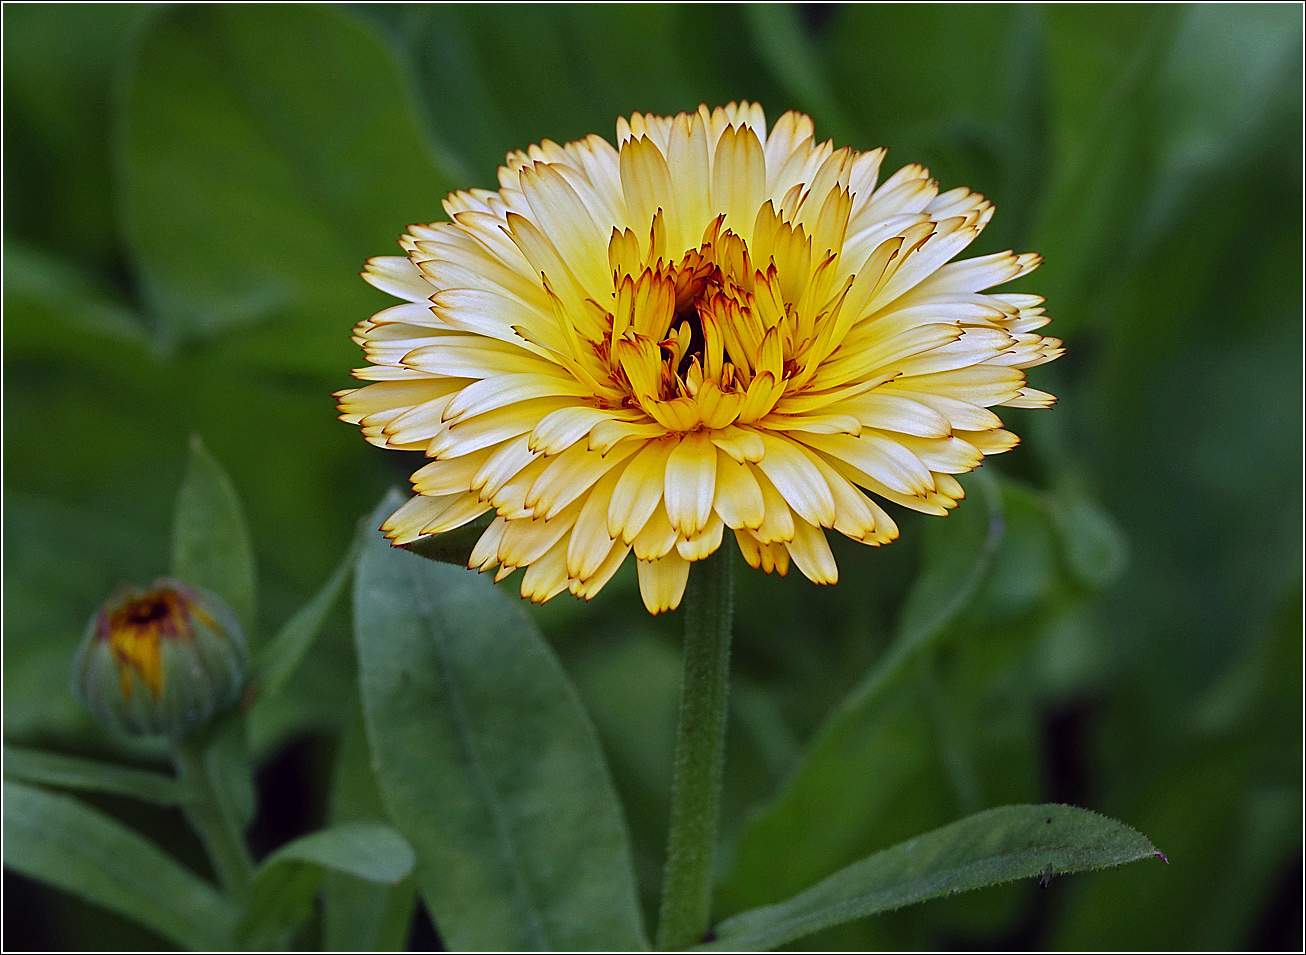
pixel 1130 634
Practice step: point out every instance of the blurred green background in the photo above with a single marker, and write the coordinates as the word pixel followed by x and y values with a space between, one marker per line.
pixel 190 193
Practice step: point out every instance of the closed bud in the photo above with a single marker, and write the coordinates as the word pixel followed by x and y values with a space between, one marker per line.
pixel 162 661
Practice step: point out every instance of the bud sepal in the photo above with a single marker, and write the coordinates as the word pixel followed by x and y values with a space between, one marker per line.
pixel 161 661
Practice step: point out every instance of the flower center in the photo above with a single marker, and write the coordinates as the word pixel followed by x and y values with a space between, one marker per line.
pixel 702 342
pixel 689 319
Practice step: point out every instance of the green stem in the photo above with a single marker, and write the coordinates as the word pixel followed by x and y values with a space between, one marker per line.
pixel 700 753
pixel 220 833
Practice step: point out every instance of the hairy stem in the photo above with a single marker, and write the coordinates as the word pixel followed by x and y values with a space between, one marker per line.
pixel 700 753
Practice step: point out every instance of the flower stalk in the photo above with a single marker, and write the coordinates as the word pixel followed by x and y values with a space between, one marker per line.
pixel 700 754
pixel 223 840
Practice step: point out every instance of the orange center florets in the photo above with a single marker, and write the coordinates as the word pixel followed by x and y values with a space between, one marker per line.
pixel 703 342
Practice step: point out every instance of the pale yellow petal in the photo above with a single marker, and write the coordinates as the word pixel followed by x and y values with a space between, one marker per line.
pixel 397 275
pixel 662 582
pixel 738 498
pixel 638 491
pixel 811 554
pixel 791 470
pixel 690 484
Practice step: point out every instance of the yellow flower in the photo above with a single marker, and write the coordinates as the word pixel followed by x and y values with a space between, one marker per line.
pixel 710 326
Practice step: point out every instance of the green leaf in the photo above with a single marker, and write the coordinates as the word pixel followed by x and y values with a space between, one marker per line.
pixel 60 67
pixel 574 70
pixel 871 744
pixel 955 566
pixel 277 661
pixel 284 886
pixel 990 847
pixel 361 916
pixel 488 764
pixel 783 44
pixel 260 174
pixel 71 772
pixel 58 840
pixel 229 764
pixel 210 542
pixel 56 293
pixel 452 547
pixel 1095 547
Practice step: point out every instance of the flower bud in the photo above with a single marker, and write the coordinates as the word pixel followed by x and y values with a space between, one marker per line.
pixel 162 661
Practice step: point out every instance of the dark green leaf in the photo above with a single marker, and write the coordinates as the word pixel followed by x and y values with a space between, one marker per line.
pixel 78 849
pixel 452 547
pixel 60 66
pixel 997 845
pixel 786 49
pixel 1094 545
pixel 260 175
pixel 488 764
pixel 72 772
pixel 61 293
pixel 226 761
pixel 955 566
pixel 210 543
pixel 285 884
pixel 279 658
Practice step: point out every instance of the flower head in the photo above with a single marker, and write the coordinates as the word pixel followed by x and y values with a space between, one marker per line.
pixel 160 661
pixel 710 326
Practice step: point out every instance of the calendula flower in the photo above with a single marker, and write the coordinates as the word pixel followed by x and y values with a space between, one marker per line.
pixel 712 325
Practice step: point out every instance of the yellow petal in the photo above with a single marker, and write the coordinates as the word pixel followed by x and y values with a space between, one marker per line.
pixel 811 553
pixel 738 498
pixel 662 582
pixel 789 467
pixel 690 483
pixel 638 491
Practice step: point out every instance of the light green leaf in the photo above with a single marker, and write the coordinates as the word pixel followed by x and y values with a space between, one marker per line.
pixel 72 772
pixel 260 174
pixel 210 542
pixel 58 840
pixel 279 658
pixel 284 886
pixel 488 764
pixel 990 847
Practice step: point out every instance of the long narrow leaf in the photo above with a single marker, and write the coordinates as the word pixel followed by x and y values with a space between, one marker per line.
pixel 998 845
pixel 859 758
pixel 278 660
pixel 72 772
pixel 58 840
pixel 358 915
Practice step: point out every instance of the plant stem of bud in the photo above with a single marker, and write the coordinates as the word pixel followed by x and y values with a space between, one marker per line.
pixel 700 754
pixel 220 833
